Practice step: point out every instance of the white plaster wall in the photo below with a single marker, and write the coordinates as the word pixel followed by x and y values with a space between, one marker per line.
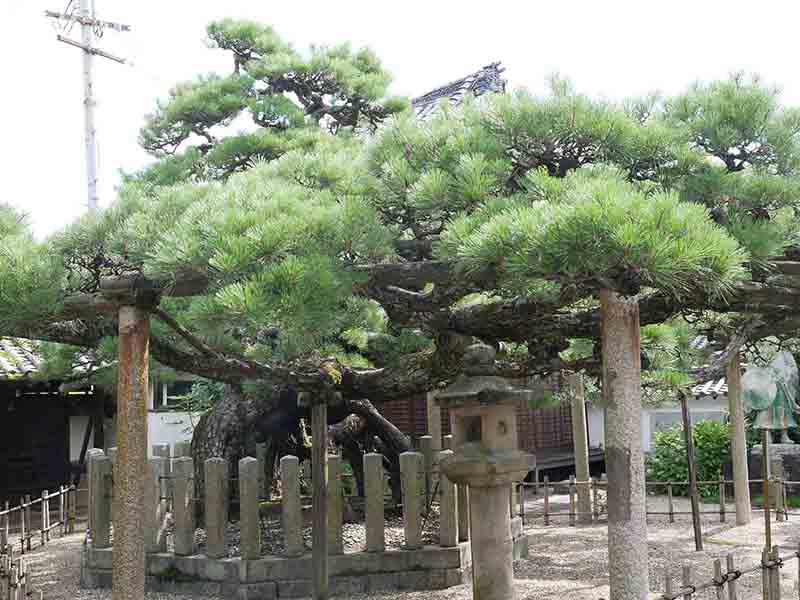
pixel 77 427
pixel 169 428
pixel 706 408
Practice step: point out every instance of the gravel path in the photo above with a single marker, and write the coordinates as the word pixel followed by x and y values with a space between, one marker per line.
pixel 566 563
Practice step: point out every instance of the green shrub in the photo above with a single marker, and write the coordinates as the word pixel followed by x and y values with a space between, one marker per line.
pixel 667 461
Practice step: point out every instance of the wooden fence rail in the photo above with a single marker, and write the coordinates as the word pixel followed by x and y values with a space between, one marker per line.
pixel 20 518
pixel 725 582
pixel 571 486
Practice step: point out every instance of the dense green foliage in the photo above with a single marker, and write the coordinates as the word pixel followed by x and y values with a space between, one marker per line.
pixel 557 194
pixel 277 97
pixel 667 460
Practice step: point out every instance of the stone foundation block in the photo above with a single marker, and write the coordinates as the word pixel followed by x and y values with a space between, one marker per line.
pixel 100 558
pixel 159 563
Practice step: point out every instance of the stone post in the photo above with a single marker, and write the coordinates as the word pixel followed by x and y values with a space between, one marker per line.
pixel 249 522
pixel 182 449
pixel 216 509
pixel 261 455
pixel 492 546
pixel 627 527
pixel 165 476
pixel 319 455
pixel 448 508
pixel 463 512
pixel 581 444
pixel 335 505
pixel 426 449
pixel 99 484
pixel 447 442
pixel 410 464
pixel 132 389
pixel 776 491
pixel 741 484
pixel 153 515
pixel 434 421
pixel 373 492
pixel 291 507
pixel 183 506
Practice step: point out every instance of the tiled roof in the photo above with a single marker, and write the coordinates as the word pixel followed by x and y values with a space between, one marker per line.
pixel 485 80
pixel 18 358
pixel 715 387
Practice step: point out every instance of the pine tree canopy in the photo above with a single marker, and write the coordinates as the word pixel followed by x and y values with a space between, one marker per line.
pixel 343 229
pixel 277 98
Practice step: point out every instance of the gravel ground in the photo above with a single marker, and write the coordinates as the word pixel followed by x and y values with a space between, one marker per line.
pixel 566 563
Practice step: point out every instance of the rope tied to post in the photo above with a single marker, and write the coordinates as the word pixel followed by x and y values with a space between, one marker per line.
pixel 721 580
pixel 733 575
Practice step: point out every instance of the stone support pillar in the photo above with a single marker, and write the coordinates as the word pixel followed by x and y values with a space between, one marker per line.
pixel 741 483
pixel 290 506
pixel 183 506
pixel 261 455
pixel 410 465
pixel 249 522
pixel 216 509
pixel 100 494
pixel 581 444
pixel 622 391
pixel 426 449
pixel 373 492
pixel 132 391
pixel 448 508
pixel 335 505
pixel 153 517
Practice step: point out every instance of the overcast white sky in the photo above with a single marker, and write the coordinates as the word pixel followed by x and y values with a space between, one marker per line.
pixel 610 48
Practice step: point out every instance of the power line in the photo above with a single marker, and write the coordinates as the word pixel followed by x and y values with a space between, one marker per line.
pixel 90 27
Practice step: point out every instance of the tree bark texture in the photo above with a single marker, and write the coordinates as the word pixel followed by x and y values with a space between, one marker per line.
pixel 627 528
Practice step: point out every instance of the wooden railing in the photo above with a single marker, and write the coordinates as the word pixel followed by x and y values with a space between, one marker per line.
pixel 546 488
pixel 725 582
pixel 20 518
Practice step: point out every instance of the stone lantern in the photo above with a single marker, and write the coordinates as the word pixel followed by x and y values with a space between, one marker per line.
pixel 483 420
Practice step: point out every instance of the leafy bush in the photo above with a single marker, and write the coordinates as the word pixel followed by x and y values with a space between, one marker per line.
pixel 667 461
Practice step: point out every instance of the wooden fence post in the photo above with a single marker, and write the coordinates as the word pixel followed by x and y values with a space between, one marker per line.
pixel 719 582
pixel 721 502
pixel 61 510
pixel 775 575
pixel 595 499
pixel 731 582
pixel 668 584
pixel 686 581
pixel 6 520
pixel 43 506
pixel 72 501
pixel 670 505
pixel 766 588
pixel 546 500
pixel 572 501
pixel 28 522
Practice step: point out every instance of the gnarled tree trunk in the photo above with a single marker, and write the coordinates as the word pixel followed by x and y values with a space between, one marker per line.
pixel 238 421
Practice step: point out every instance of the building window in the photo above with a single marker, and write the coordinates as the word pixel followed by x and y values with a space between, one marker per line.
pixel 173 396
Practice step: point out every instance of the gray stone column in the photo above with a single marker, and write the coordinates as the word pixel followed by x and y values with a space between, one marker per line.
pixel 261 455
pixel 426 449
pixel 434 421
pixel 183 506
pixel 581 444
pixel 448 508
pixel 462 491
pixel 182 449
pixel 410 465
pixel 373 492
pixel 335 504
pixel 290 506
pixel 622 391
pixel 492 546
pixel 153 515
pixel 99 466
pixel 741 484
pixel 216 509
pixel 249 522
pixel 89 454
